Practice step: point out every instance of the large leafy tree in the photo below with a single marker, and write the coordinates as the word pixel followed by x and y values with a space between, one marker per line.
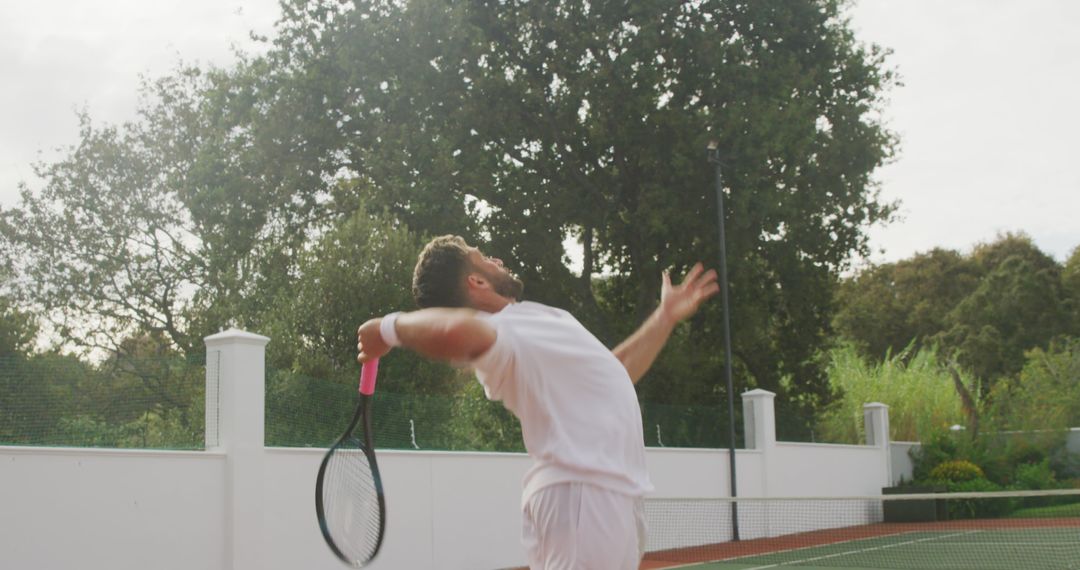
pixel 985 310
pixel 1070 279
pixel 1020 304
pixel 103 240
pixel 357 270
pixel 1046 394
pixel 17 331
pixel 514 123
pixel 886 307
pixel 544 120
pixel 184 221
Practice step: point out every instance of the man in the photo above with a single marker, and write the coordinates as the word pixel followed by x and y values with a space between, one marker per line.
pixel 574 397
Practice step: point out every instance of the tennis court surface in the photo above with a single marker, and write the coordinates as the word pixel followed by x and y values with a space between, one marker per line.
pixel 954 531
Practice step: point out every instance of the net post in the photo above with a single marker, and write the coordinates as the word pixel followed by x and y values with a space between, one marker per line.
pixel 714 158
pixel 241 384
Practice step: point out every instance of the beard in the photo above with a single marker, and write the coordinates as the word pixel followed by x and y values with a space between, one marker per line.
pixel 506 285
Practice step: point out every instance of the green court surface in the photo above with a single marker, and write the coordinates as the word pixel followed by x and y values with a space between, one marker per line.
pixel 1034 549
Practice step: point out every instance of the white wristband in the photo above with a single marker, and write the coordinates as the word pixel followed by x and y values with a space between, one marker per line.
pixel 388 330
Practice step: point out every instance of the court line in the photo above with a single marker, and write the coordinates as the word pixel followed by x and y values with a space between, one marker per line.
pixel 1033 544
pixel 937 539
pixel 736 559
pixel 839 554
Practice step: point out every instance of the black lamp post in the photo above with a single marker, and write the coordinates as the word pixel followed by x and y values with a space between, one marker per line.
pixel 714 157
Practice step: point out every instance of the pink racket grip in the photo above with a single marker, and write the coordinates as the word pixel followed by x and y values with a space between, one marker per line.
pixel 367 377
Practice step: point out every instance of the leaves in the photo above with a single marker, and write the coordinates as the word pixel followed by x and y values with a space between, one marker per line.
pixel 257 195
pixel 983 310
pixel 103 239
pixel 1046 394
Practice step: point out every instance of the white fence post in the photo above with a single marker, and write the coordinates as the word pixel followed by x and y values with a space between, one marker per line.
pixel 236 372
pixel 876 420
pixel 759 428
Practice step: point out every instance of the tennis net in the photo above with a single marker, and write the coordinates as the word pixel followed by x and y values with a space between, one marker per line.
pixel 984 531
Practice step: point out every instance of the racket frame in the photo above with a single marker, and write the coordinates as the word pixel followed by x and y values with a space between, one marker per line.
pixel 362 416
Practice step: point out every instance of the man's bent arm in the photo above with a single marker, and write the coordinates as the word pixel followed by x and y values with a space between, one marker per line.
pixel 437 333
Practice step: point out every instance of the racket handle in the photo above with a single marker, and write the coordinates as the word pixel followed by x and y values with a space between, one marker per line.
pixel 367 377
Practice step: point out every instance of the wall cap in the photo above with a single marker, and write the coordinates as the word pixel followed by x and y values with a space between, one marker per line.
pixel 235 335
pixel 758 392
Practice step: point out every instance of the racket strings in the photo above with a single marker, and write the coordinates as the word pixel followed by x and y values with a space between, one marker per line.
pixel 351 501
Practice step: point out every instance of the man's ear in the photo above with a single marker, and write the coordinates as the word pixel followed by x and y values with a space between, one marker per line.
pixel 476 281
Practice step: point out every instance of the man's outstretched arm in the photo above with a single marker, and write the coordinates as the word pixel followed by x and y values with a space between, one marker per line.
pixel 638 352
pixel 439 334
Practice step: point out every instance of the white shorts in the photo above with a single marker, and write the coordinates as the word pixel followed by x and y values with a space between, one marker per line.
pixel 575 526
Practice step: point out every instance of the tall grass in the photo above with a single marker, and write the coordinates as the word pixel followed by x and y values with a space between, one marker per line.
pixel 917 388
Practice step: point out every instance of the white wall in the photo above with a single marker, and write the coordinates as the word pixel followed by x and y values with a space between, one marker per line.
pixel 823 470
pixel 1072 442
pixel 679 472
pixel 452 510
pixel 240 506
pixel 124 509
pixel 111 509
pixel 444 510
pixel 903 468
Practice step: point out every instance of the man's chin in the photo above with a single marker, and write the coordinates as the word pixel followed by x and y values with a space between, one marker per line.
pixel 513 289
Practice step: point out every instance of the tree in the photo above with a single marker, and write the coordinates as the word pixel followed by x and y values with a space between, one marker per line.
pixel 358 270
pixel 102 240
pixel 983 310
pixel 1046 394
pixel 183 221
pixel 17 331
pixel 591 120
pixel 1070 278
pixel 514 123
pixel 1019 305
pixel 884 308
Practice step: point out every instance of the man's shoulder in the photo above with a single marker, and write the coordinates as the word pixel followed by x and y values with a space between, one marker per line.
pixel 531 313
pixel 532 308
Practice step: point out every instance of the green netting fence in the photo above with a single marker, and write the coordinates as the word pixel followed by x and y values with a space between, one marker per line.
pixel 310 412
pixel 146 403
pixel 159 403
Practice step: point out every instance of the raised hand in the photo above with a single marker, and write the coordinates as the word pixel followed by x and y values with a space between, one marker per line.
pixel 679 302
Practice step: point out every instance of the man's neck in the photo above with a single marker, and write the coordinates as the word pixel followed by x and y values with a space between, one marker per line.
pixel 493 304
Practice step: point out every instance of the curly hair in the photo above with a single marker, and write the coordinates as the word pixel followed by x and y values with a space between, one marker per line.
pixel 439 277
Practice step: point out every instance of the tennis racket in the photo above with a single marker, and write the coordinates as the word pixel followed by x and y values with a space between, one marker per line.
pixel 349 497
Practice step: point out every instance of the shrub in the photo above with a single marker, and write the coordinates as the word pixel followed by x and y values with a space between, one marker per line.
pixel 1000 454
pixel 957 471
pixel 939 447
pixel 997 454
pixel 979 508
pixel 1035 477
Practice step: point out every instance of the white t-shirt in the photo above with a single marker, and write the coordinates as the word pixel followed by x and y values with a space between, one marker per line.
pixel 576 403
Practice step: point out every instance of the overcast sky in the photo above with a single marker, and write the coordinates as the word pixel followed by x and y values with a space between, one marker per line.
pixel 988 114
